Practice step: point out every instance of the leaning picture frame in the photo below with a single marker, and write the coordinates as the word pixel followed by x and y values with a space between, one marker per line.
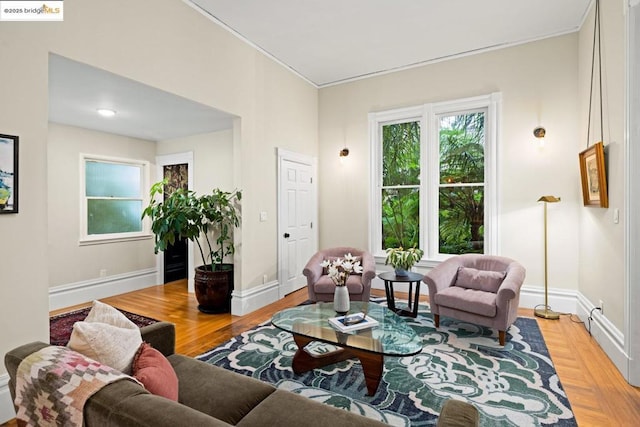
pixel 8 174
pixel 593 175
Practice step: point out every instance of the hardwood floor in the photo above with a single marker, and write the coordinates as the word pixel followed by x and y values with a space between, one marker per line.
pixel 599 395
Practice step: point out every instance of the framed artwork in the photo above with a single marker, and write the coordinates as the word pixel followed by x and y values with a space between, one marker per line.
pixel 8 174
pixel 594 176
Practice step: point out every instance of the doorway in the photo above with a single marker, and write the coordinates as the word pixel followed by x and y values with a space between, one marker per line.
pixel 175 256
pixel 176 262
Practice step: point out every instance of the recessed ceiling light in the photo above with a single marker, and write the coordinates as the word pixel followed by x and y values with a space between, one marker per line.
pixel 106 112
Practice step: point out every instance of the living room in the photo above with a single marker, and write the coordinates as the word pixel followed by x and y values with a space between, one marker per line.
pixel 177 49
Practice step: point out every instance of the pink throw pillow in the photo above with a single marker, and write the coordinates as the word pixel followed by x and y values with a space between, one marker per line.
pixel 154 371
pixel 481 280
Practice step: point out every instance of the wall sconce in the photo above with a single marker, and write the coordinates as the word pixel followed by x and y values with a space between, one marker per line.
pixel 344 152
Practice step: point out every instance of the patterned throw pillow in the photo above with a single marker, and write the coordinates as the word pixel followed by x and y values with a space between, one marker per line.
pixel 481 280
pixel 154 371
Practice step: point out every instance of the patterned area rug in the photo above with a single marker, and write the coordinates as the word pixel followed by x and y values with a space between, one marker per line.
pixel 515 385
pixel 61 325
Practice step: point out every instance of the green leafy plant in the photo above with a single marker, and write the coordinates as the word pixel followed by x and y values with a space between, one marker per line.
pixel 207 220
pixel 404 259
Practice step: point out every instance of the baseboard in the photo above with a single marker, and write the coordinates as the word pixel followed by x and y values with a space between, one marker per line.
pixel 610 338
pixel 560 300
pixel 103 287
pixel 7 411
pixel 246 301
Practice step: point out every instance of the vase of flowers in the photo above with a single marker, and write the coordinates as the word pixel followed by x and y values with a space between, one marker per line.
pixel 338 271
pixel 403 259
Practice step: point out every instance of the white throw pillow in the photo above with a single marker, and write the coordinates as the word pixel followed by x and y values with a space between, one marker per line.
pixel 104 313
pixel 110 345
pixel 107 336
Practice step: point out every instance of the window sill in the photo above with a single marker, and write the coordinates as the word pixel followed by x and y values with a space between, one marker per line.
pixel 106 240
pixel 423 263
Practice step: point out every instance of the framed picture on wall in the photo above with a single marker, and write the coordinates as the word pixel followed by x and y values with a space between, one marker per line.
pixel 8 174
pixel 594 176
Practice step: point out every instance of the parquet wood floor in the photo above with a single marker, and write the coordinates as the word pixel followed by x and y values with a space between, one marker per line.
pixel 599 395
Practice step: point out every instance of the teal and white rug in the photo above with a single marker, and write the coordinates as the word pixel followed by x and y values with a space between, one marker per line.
pixel 515 385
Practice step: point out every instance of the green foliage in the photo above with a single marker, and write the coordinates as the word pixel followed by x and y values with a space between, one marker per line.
pixel 401 167
pixel 461 208
pixel 403 258
pixel 183 214
pixel 461 195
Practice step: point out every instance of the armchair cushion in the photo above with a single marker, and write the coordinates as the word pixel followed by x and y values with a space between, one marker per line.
pixel 481 280
pixel 469 300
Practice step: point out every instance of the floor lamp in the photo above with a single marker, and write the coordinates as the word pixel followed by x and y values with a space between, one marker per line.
pixel 546 312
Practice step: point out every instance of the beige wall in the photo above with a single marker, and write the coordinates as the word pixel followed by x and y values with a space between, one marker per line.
pixel 212 158
pixel 69 262
pixel 601 267
pixel 538 82
pixel 212 164
pixel 172 47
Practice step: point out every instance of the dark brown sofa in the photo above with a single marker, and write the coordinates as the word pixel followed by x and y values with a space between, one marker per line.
pixel 208 396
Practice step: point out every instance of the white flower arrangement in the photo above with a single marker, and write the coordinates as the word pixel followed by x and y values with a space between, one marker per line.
pixel 339 269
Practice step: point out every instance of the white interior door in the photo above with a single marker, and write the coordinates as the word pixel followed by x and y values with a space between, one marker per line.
pixel 297 214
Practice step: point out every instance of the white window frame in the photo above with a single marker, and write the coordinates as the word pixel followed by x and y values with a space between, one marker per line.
pixel 428 115
pixel 87 239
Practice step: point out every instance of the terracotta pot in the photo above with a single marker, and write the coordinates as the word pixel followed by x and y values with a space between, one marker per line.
pixel 213 288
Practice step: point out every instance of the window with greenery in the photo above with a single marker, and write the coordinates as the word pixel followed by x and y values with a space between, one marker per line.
pixel 401 185
pixel 113 198
pixel 434 178
pixel 461 187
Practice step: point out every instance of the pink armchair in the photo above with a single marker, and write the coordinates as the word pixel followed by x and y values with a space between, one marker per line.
pixel 321 287
pixel 481 289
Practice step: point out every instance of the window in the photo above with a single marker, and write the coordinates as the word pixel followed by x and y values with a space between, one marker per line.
pixel 434 176
pixel 113 199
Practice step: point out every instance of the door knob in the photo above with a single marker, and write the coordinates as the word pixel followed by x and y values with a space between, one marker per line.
pixel 286 235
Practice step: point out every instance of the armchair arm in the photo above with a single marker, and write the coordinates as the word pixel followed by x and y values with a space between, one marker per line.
pixel 442 276
pixel 510 287
pixel 368 268
pixel 313 270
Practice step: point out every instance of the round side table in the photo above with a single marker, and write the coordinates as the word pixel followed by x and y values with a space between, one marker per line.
pixel 390 278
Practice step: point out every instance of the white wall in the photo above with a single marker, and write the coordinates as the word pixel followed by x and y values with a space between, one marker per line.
pixel 170 46
pixel 538 82
pixel 68 261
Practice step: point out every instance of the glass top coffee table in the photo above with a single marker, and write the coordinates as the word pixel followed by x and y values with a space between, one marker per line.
pixel 309 323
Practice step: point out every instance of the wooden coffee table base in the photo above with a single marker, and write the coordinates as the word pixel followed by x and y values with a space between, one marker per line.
pixel 372 364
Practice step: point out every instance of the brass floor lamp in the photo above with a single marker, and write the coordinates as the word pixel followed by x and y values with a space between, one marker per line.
pixel 546 312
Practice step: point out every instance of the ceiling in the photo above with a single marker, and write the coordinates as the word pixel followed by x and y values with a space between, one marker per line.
pixel 332 41
pixel 325 42
pixel 77 90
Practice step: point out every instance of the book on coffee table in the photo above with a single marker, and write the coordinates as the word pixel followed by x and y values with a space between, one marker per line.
pixel 352 322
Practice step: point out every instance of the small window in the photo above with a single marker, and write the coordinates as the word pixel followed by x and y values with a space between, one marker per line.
pixel 113 198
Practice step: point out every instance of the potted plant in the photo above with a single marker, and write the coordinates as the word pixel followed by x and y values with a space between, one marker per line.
pixel 403 259
pixel 207 220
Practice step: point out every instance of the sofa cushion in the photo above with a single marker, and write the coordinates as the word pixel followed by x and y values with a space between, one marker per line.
pixel 469 300
pixel 155 372
pixel 481 280
pixel 215 391
pixel 284 408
